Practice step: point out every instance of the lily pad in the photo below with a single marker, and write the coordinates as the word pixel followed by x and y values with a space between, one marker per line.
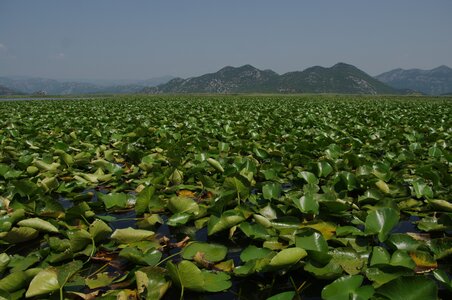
pixel 409 288
pixel 130 235
pixel 381 221
pixel 210 252
pixel 347 287
pixel 287 257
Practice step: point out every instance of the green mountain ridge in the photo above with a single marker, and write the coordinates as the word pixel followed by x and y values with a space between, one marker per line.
pixel 340 78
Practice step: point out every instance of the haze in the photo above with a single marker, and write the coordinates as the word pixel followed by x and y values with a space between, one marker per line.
pixel 144 39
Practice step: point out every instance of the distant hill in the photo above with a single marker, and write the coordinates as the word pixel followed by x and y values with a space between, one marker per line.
pixel 227 80
pixel 433 82
pixel 54 87
pixel 341 78
pixel 7 91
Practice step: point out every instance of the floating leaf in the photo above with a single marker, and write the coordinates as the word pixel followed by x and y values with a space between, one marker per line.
pixel 409 288
pixel 153 281
pixel 271 190
pixel 211 252
pixel 441 247
pixel 307 204
pixel 227 220
pixel 382 186
pixel 381 221
pixel 4 261
pixel 143 200
pixel 288 257
pixel 99 230
pixel 99 280
pixel 118 200
pixel 13 282
pixel 20 235
pixel 311 240
pixel 308 177
pixel 187 275
pixel 379 277
pixel 349 260
pixel 215 164
pixel 324 169
pixel 252 252
pixel 149 258
pixel 347 287
pixel 442 277
pixel 180 204
pixel 283 296
pixel 238 186
pixel 403 242
pixel 421 189
pixel 216 282
pixel 380 256
pixel 424 261
pixel 44 282
pixel 130 235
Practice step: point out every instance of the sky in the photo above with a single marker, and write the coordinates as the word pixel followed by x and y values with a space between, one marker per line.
pixel 109 39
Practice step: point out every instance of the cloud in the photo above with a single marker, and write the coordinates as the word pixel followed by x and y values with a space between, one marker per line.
pixel 3 48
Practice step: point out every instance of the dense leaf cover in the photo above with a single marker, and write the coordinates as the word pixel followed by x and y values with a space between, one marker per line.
pixel 244 197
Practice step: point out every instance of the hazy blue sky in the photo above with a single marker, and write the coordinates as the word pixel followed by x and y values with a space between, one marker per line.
pixel 100 39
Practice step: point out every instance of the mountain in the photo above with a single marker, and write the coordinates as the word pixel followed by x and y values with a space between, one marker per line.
pixel 341 78
pixel 243 79
pixel 434 82
pixel 55 87
pixel 7 91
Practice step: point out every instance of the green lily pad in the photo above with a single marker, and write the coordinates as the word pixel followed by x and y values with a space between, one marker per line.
pixel 43 283
pixel 210 252
pixel 271 190
pixel 130 235
pixel 379 256
pixel 409 288
pixel 187 275
pixel 238 185
pixel 152 282
pixel 144 199
pixel 99 280
pixel 183 205
pixel 403 242
pixel 347 287
pixel 114 200
pixel 252 252
pixel 310 239
pixel 227 220
pixel 380 277
pixel 381 221
pixel 307 203
pixel 149 258
pixel 283 296
pixel 99 230
pixel 287 257
pixel 441 247
pixel 20 235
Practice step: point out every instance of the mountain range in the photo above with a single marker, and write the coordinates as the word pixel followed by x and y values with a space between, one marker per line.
pixel 340 78
pixel 7 91
pixel 32 85
pixel 432 82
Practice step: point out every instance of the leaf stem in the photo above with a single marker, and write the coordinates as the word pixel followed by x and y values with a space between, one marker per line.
pixel 167 258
